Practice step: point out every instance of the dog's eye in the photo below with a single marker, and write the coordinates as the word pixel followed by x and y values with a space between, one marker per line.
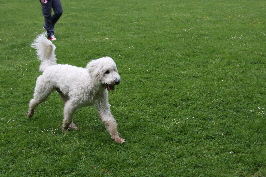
pixel 107 72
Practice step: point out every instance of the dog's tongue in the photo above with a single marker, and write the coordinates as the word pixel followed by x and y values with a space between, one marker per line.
pixel 110 87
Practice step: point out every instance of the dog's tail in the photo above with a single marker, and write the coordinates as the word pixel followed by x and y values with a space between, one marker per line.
pixel 45 51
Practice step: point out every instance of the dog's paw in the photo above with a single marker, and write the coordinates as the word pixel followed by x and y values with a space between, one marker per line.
pixel 119 140
pixel 30 114
pixel 64 129
pixel 73 126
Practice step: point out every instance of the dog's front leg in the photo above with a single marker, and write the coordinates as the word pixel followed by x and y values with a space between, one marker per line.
pixel 110 122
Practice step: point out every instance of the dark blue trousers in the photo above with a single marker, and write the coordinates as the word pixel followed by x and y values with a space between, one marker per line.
pixel 49 18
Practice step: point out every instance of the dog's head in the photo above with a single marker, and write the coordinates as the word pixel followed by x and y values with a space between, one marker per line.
pixel 104 71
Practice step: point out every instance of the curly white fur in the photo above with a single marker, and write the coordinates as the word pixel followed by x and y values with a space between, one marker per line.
pixel 45 51
pixel 77 86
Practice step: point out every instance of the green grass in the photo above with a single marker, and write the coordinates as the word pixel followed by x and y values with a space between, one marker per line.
pixel 191 101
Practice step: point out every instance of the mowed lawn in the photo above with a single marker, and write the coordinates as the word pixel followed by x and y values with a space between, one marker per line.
pixel 191 101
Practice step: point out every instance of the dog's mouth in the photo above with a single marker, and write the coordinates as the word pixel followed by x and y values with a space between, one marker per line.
pixel 110 87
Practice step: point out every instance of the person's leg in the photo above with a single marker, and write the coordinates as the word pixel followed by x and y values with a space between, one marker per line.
pixel 57 7
pixel 47 13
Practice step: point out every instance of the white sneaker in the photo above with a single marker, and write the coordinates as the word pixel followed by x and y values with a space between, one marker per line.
pixel 52 38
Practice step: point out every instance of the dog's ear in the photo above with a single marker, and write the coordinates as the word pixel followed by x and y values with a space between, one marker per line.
pixel 93 68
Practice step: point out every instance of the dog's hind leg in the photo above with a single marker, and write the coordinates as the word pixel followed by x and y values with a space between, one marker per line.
pixel 69 111
pixel 64 97
pixel 33 104
pixel 42 90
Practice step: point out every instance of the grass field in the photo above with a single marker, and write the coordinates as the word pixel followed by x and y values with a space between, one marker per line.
pixel 191 101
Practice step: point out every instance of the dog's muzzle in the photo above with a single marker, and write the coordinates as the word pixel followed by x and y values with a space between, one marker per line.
pixel 112 86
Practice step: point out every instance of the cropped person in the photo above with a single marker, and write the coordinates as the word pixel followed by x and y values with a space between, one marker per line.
pixel 49 18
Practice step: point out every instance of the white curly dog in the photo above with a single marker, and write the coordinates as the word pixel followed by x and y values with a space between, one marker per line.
pixel 77 86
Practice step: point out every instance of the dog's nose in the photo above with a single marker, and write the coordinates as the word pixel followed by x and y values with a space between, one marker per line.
pixel 117 81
